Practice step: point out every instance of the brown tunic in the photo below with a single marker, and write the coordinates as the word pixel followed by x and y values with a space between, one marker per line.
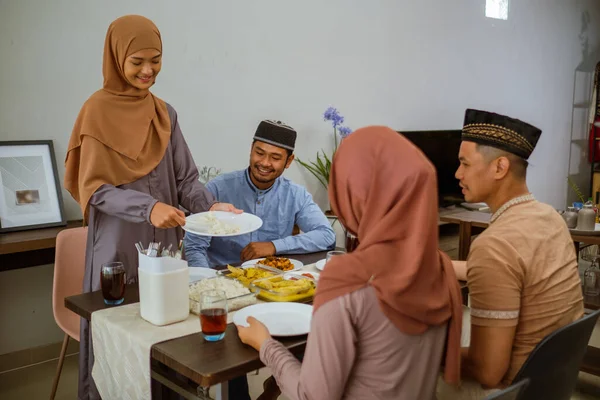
pixel 355 352
pixel 120 217
pixel 522 271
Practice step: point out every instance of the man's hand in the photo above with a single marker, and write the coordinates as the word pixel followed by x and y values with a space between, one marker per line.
pixel 257 250
pixel 165 216
pixel 225 207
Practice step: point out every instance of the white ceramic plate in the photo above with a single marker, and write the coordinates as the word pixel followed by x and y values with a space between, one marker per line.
pixel 197 273
pixel 199 224
pixel 320 264
pixel 298 274
pixel 282 319
pixel 297 264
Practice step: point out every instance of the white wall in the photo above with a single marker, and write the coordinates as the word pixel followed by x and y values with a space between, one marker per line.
pixel 411 65
pixel 408 64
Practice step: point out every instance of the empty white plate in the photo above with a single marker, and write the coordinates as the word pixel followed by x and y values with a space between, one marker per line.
pixel 282 319
pixel 297 264
pixel 221 224
pixel 320 264
pixel 197 273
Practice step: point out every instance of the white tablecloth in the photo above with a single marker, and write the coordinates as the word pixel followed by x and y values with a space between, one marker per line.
pixel 122 340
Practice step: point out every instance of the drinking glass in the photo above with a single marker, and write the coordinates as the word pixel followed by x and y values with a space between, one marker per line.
pixel 331 254
pixel 351 242
pixel 112 281
pixel 213 314
pixel 591 278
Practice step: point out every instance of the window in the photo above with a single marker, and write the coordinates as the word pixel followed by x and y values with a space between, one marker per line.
pixel 497 9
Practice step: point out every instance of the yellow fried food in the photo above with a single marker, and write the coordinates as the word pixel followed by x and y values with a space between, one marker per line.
pixel 248 275
pixel 278 285
pixel 235 272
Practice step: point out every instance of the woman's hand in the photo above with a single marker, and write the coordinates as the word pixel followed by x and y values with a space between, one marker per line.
pixel 225 207
pixel 255 335
pixel 165 216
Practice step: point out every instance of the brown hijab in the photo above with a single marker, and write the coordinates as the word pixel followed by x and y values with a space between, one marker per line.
pixel 384 190
pixel 121 133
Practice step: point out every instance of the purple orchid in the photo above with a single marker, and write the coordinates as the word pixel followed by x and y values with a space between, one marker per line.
pixel 321 168
pixel 332 114
pixel 344 131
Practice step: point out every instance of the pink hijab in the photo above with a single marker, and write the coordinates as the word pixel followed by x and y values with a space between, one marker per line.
pixel 384 190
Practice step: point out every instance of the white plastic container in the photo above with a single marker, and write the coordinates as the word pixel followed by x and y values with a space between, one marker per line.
pixel 164 292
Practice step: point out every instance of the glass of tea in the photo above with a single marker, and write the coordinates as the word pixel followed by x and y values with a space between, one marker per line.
pixel 351 242
pixel 213 314
pixel 112 281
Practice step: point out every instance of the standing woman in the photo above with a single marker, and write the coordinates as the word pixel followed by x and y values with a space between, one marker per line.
pixel 128 166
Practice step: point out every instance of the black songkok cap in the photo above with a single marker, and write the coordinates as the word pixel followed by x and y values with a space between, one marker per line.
pixel 276 133
pixel 502 132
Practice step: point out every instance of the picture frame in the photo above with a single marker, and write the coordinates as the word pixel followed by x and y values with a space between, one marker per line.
pixel 30 191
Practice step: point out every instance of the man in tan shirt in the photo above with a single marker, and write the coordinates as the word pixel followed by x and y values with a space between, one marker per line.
pixel 521 271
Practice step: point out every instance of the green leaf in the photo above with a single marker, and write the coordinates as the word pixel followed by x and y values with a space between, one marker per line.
pixel 322 166
pixel 328 165
pixel 576 189
pixel 315 171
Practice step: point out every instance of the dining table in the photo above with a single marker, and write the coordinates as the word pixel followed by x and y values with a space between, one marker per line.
pixel 189 366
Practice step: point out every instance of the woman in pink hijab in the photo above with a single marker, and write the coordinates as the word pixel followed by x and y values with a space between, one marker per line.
pixel 383 314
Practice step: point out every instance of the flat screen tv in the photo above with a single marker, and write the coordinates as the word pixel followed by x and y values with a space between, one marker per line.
pixel 441 147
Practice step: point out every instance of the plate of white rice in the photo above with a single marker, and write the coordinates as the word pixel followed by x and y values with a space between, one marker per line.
pixel 221 224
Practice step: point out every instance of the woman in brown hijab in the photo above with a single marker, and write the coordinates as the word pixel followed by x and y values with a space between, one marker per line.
pixel 128 165
pixel 384 313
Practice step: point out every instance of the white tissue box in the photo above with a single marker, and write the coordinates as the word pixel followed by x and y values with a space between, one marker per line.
pixel 164 286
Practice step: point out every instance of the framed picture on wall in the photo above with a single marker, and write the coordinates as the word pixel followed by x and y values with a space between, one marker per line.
pixel 30 193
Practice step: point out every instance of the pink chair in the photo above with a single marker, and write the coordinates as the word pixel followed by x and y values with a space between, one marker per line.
pixel 69 265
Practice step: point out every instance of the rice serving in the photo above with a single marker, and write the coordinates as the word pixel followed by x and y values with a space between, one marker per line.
pixel 218 227
pixel 237 295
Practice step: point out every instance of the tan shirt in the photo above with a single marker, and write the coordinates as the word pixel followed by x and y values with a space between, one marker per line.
pixel 522 271
pixel 355 352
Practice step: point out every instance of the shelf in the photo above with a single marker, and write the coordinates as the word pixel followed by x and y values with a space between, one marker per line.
pixel 35 239
pixel 30 248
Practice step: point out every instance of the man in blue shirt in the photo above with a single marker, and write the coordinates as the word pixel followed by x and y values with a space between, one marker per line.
pixel 262 191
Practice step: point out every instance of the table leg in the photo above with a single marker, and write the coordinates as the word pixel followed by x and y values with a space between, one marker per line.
pixel 168 385
pixel 464 240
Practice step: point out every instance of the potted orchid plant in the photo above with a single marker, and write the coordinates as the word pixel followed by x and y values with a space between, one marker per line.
pixel 322 166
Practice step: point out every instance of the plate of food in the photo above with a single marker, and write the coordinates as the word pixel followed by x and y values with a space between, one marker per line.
pixel 288 287
pixel 281 263
pixel 303 274
pixel 237 295
pixel 249 273
pixel 282 319
pixel 221 224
